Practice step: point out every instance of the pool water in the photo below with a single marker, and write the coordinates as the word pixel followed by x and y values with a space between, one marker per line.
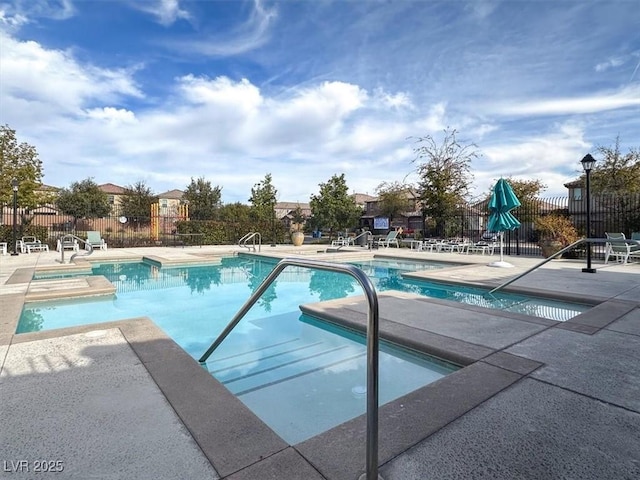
pixel 299 374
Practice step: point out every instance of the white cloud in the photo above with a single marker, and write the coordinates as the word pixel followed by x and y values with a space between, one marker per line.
pixel 611 63
pixel 165 11
pixel 251 34
pixel 53 78
pixel 552 158
pixel 112 115
pixel 628 96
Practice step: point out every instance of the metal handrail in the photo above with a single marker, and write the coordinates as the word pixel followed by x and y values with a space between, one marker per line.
pixel 353 241
pixel 560 252
pixel 371 472
pixel 88 247
pixel 251 236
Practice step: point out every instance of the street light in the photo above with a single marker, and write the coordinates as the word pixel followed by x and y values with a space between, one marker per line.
pixel 587 164
pixel 14 185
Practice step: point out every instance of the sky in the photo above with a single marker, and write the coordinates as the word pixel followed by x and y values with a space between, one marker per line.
pixel 163 91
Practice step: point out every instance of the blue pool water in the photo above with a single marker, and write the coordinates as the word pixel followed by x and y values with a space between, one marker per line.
pixel 281 364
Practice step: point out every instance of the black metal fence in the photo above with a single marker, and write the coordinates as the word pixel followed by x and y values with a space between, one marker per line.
pixel 609 213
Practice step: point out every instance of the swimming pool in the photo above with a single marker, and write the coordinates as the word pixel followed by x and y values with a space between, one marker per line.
pixel 280 363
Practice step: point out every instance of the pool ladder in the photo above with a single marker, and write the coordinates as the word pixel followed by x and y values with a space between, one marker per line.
pixel 373 341
pixel 71 237
pixel 251 236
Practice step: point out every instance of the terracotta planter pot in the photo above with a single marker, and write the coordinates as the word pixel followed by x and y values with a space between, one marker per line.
pixel 297 238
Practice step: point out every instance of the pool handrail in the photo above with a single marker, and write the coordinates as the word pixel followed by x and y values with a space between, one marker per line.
pixel 371 472
pixel 551 257
pixel 70 236
pixel 251 236
pixel 353 240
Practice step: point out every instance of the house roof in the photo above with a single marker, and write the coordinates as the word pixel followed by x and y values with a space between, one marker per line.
pixel 362 198
pixel 112 189
pixel 174 194
pixel 575 183
pixel 292 205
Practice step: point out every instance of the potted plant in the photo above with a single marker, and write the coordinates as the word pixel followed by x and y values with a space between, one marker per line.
pixel 297 220
pixel 555 232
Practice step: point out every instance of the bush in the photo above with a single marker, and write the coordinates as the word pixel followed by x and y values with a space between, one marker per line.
pixel 556 228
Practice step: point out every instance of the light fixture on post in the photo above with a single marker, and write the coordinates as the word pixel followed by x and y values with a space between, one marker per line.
pixel 14 185
pixel 587 164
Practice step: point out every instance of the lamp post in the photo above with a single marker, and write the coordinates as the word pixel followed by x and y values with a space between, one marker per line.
pixel 14 185
pixel 587 164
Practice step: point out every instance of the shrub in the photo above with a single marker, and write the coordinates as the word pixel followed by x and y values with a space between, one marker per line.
pixel 556 228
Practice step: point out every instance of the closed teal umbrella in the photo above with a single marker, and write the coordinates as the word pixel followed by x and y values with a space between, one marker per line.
pixel 502 201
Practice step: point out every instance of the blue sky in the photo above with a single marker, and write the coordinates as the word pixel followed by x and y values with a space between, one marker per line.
pixel 166 90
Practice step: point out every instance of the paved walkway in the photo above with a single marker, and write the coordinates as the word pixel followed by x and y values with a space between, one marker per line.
pixel 536 399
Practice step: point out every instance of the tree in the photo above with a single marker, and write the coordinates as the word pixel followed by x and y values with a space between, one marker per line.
pixel 135 203
pixel 19 161
pixel 83 200
pixel 263 199
pixel 616 173
pixel 298 218
pixel 263 204
pixel 393 199
pixel 333 207
pixel 204 200
pixel 615 182
pixel 234 212
pixel 445 176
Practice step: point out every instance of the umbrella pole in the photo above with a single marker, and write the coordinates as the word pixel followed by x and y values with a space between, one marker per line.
pixel 501 246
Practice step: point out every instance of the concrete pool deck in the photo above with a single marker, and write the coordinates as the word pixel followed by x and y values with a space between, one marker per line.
pixel 536 399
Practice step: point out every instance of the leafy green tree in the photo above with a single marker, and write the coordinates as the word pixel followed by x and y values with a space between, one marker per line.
pixel 19 161
pixel 234 212
pixel 615 183
pixel 616 173
pixel 333 207
pixel 204 200
pixel 445 176
pixel 83 199
pixel 135 203
pixel 393 199
pixel 263 199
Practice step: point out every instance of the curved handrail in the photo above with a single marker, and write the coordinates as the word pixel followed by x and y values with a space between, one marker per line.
pixel 88 247
pixel 558 253
pixel 372 341
pixel 251 236
pixel 353 241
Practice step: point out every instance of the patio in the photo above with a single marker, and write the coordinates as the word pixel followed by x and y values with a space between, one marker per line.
pixel 536 399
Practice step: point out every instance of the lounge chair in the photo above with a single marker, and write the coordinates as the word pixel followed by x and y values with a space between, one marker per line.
pixel 70 244
pixel 617 247
pixel 392 237
pixel 95 240
pixel 482 247
pixel 30 244
pixel 634 250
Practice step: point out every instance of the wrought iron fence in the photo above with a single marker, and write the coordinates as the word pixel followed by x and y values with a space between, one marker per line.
pixel 609 213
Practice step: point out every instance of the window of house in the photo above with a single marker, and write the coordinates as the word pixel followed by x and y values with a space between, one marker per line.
pixel 112 199
pixel 577 194
pixel 163 203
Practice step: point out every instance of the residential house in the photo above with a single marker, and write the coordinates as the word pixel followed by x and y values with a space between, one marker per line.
pixel 285 210
pixel 170 202
pixel 114 195
pixel 410 219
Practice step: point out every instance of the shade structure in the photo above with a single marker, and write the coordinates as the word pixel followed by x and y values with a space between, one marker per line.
pixel 502 201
